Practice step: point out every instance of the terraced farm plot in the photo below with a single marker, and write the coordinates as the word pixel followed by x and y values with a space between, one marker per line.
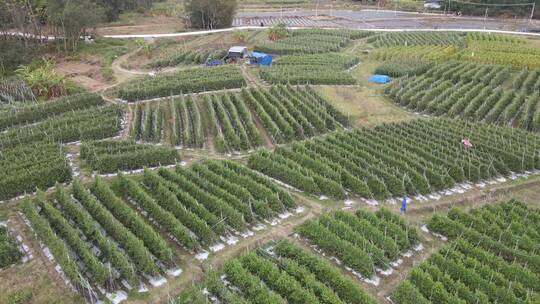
pixel 417 157
pixel 363 241
pixel 311 41
pixel 112 156
pixel 231 123
pixel 416 38
pixel 187 57
pixel 492 258
pixel 280 273
pixel 432 53
pixel 142 220
pixel 192 80
pixel 33 113
pixel 472 92
pixel 491 37
pixel 63 120
pixel 326 69
pixel 402 67
pixel 501 53
pixel 27 167
pixel 177 122
pixel 286 113
pixel 289 113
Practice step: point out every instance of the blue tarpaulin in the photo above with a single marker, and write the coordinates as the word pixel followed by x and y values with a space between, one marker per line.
pixel 260 58
pixel 380 78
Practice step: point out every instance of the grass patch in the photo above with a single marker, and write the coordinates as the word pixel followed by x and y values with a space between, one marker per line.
pixel 365 104
pixel 106 50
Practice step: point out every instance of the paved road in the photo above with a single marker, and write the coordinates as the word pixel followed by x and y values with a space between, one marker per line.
pixel 200 33
pixel 366 19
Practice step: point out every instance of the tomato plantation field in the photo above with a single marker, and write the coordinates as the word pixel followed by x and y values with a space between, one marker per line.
pixel 144 219
pixel 286 113
pixel 311 41
pixel 418 52
pixel 177 121
pixel 362 241
pixel 477 47
pixel 473 92
pixel 289 113
pixel 403 67
pixel 419 157
pixel 112 156
pixel 416 38
pixel 492 258
pixel 27 167
pixel 64 120
pixel 280 273
pixel 256 184
pixel 499 49
pixel 185 81
pixel 311 69
pixel 16 116
pixel 187 57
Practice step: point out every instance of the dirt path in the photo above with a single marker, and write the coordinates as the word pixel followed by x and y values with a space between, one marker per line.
pixel 251 79
pixel 268 142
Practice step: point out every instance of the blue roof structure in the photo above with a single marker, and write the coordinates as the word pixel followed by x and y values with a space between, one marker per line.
pixel 381 79
pixel 260 58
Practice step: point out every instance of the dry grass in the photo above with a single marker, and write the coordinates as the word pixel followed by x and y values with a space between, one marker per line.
pixel 363 106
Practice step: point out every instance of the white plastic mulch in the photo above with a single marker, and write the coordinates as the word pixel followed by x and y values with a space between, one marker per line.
pixel 174 272
pixel 117 297
pixel 203 255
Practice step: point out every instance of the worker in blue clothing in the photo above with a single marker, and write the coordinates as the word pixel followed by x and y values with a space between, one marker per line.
pixel 403 209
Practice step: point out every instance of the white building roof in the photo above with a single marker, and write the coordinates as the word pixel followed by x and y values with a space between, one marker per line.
pixel 238 49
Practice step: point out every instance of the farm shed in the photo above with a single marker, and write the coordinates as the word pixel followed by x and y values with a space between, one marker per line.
pixel 260 58
pixel 236 52
pixel 382 79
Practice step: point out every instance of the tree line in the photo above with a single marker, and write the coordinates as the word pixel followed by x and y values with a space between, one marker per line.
pixel 69 19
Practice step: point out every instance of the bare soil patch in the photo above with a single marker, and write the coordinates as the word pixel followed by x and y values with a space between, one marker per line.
pixel 145 25
pixel 86 74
